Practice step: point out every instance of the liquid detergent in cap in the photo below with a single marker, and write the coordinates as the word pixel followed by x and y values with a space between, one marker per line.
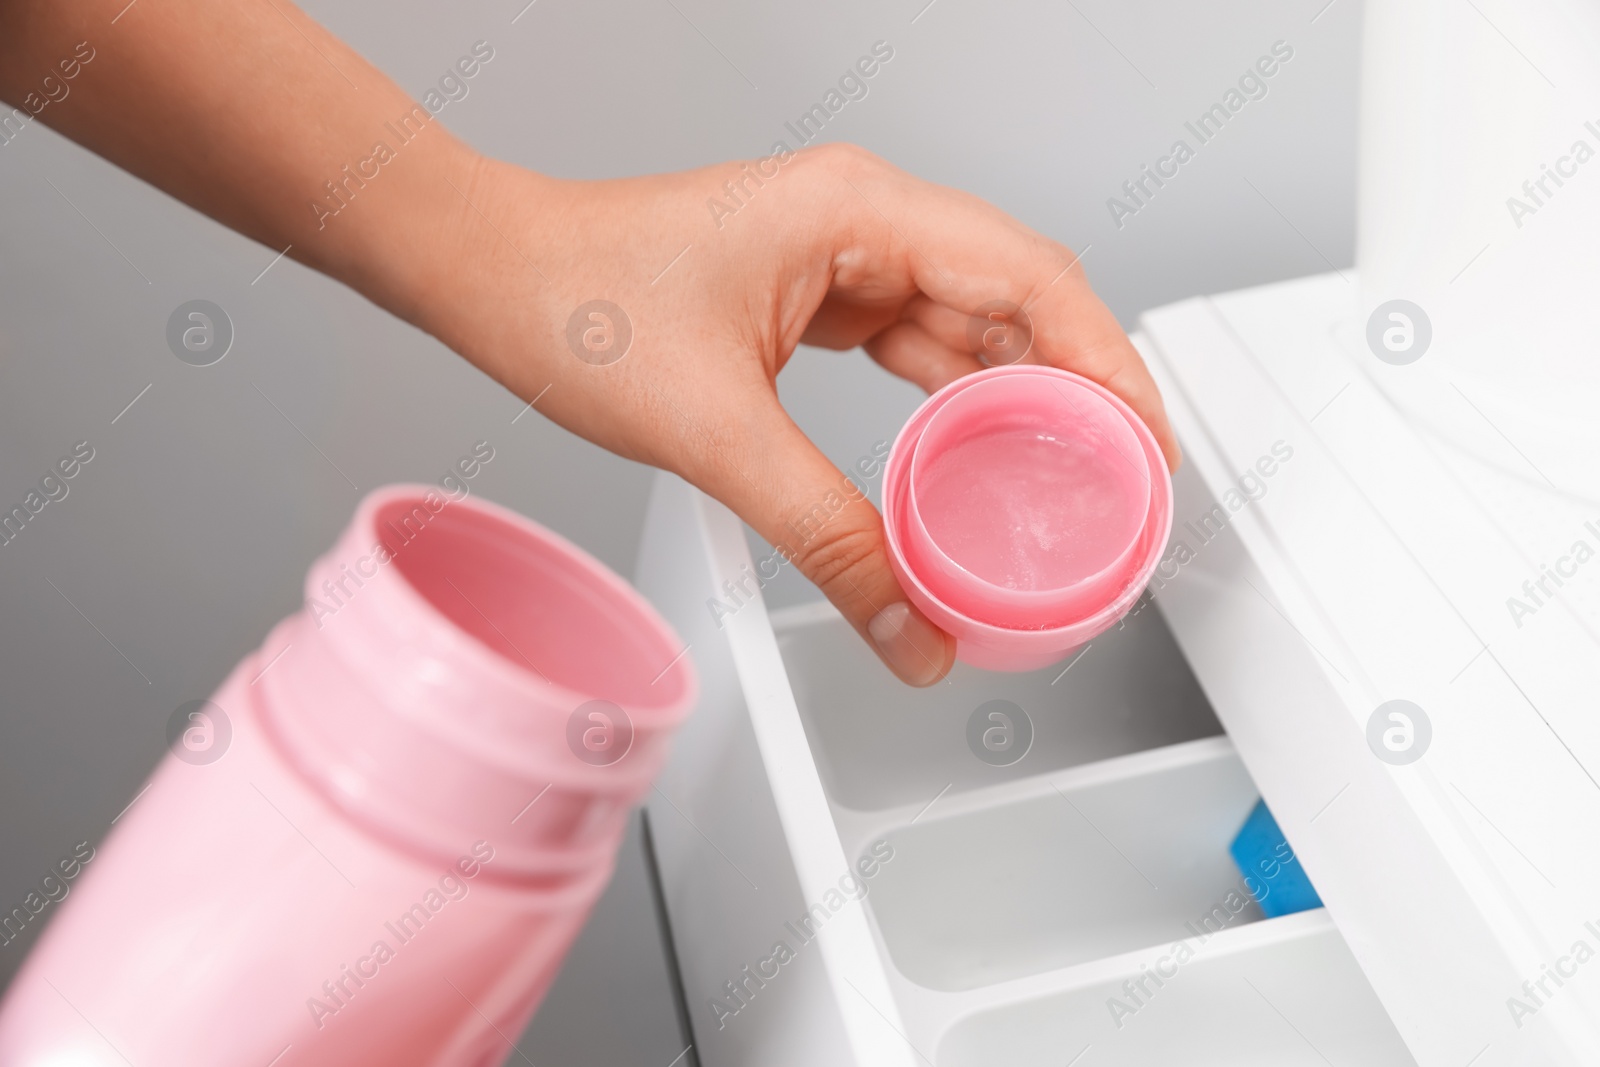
pixel 1027 510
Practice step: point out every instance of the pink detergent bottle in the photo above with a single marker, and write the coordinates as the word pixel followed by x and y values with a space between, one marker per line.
pixel 377 840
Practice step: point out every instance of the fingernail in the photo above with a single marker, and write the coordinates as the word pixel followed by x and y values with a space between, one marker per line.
pixel 911 645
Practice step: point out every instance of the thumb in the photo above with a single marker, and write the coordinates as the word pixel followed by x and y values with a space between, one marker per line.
pixel 819 519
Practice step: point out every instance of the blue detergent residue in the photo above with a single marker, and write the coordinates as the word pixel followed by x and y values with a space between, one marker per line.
pixel 1273 873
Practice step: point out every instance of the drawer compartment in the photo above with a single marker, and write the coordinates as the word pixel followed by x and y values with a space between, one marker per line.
pixel 1109 859
pixel 1283 992
pixel 880 744
pixel 1006 905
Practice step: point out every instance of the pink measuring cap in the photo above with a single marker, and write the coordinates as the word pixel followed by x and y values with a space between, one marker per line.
pixel 1025 509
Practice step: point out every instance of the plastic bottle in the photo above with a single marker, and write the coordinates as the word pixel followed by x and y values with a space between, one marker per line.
pixel 378 839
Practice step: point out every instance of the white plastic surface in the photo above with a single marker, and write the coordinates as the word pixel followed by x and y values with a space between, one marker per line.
pixel 1016 901
pixel 1479 200
pixel 1284 992
pixel 1114 858
pixel 1377 564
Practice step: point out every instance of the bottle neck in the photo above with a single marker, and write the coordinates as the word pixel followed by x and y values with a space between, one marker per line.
pixel 431 681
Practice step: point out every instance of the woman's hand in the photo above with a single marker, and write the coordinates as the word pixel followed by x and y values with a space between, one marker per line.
pixel 830 247
pixel 251 112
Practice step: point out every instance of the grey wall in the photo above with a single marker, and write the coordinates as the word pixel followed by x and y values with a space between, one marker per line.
pixel 187 535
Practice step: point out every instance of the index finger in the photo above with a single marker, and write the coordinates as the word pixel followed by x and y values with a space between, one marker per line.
pixel 1074 330
pixel 965 254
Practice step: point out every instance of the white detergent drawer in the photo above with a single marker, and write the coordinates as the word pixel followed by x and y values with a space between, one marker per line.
pixel 1340 564
pixel 848 882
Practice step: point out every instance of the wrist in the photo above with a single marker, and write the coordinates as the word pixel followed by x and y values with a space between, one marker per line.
pixel 413 239
pixel 475 240
pixel 400 240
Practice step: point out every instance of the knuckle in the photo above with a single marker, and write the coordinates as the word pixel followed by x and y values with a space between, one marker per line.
pixel 837 558
pixel 842 157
